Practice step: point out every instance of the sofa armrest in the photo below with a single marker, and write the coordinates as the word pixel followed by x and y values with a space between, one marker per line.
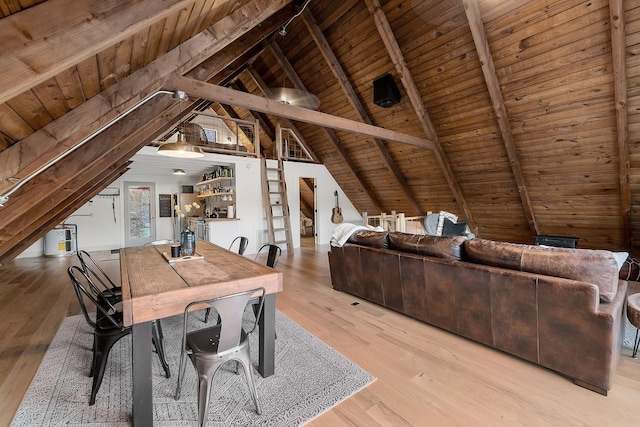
pixel 573 323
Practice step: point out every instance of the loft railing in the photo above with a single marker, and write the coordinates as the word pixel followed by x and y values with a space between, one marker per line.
pixel 396 222
pixel 290 147
pixel 218 134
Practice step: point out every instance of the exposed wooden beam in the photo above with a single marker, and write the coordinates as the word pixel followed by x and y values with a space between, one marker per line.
pixel 343 80
pixel 248 101
pixel 493 85
pixel 29 236
pixel 54 188
pixel 19 160
pixel 619 53
pixel 393 49
pixel 242 51
pixel 34 50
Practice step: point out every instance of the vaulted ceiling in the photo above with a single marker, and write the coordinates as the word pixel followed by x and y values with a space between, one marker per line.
pixel 521 117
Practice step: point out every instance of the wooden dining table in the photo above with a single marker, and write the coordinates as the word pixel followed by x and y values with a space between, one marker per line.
pixel 155 286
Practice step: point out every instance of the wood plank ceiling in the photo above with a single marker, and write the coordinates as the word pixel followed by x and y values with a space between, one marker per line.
pixel 523 117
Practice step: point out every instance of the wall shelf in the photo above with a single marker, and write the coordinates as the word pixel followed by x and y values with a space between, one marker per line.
pixel 204 196
pixel 214 180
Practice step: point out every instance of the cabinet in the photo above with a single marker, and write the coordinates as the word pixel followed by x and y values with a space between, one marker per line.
pixel 222 232
pixel 217 190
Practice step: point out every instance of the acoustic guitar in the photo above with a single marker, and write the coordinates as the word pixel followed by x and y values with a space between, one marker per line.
pixel 336 215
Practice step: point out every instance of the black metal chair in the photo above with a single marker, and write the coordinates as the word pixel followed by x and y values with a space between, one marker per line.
pixel 272 260
pixel 97 274
pixel 108 327
pixel 242 246
pixel 111 291
pixel 211 347
pixel 273 255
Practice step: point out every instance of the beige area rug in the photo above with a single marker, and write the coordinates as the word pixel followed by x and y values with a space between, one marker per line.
pixel 310 378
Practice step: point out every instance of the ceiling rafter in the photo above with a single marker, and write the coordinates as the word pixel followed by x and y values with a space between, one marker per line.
pixel 168 118
pixel 393 49
pixel 61 211
pixel 243 50
pixel 115 147
pixel 61 181
pixel 343 80
pixel 619 54
pixel 26 62
pixel 242 99
pixel 40 147
pixel 479 34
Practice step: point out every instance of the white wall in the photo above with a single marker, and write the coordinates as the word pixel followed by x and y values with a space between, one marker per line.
pixel 325 200
pixel 97 229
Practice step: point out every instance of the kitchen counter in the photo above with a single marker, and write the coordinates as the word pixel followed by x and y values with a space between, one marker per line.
pixel 200 218
pixel 220 231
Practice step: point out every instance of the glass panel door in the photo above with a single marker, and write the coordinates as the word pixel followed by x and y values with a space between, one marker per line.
pixel 140 218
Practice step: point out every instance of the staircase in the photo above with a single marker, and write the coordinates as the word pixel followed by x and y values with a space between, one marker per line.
pixel 276 205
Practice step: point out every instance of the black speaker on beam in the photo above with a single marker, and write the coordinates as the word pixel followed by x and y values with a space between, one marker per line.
pixel 385 91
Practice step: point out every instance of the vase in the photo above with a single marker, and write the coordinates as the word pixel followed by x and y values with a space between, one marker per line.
pixel 187 242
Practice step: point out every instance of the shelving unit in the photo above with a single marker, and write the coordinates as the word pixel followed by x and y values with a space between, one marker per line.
pixel 218 193
pixel 215 180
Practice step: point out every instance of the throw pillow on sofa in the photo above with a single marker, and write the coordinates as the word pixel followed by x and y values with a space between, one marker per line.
pixel 454 228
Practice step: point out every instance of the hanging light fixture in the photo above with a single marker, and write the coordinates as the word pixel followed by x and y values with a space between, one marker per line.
pixel 290 95
pixel 297 97
pixel 181 147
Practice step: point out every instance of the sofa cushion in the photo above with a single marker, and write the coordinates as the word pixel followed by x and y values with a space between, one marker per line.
pixel 496 254
pixel 372 239
pixel 447 247
pixel 591 266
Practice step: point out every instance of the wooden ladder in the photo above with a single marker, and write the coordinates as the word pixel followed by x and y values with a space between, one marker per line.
pixel 276 205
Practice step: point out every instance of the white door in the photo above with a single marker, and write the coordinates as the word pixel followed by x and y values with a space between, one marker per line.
pixel 140 213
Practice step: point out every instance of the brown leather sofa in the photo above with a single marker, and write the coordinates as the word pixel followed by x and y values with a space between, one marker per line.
pixel 560 308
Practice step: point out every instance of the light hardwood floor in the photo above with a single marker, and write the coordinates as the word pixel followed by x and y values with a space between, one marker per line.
pixel 425 376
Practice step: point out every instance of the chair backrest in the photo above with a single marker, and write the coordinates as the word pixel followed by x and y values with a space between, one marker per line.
pixel 231 310
pixel 242 246
pixel 84 287
pixel 273 256
pixel 94 271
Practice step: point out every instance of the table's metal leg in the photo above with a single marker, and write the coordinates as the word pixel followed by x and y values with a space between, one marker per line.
pixel 267 335
pixel 142 386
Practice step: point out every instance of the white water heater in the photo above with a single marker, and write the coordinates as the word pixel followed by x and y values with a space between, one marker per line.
pixel 61 241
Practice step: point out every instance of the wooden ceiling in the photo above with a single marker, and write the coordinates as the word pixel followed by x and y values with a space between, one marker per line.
pixel 521 117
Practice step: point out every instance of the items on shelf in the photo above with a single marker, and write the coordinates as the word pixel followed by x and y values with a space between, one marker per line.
pixel 218 172
pixel 217 189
